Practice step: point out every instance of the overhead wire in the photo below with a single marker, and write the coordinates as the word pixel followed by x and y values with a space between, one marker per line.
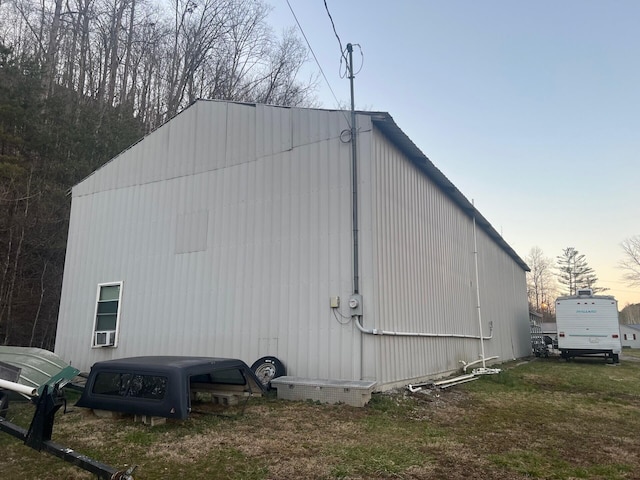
pixel 345 73
pixel 334 30
pixel 316 58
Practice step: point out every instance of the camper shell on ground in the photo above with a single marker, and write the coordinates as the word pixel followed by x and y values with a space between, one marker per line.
pixel 163 386
pixel 588 325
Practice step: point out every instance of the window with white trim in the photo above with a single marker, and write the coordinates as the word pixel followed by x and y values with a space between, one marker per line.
pixel 107 314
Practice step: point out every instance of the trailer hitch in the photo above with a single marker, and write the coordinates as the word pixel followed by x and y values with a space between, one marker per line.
pixel 38 437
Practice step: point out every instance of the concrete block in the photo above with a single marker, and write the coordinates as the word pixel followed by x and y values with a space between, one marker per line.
pixel 150 420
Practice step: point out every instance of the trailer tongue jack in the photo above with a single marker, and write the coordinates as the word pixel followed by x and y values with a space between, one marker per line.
pixel 38 436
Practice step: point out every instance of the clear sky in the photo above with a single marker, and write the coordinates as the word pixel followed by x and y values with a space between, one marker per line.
pixel 532 109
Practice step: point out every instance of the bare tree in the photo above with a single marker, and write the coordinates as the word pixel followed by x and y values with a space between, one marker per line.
pixel 228 73
pixel 284 63
pixel 541 283
pixel 124 95
pixel 84 18
pixel 105 66
pixel 158 57
pixel 630 314
pixel 50 64
pixel 198 27
pixel 18 216
pixel 114 47
pixel 631 262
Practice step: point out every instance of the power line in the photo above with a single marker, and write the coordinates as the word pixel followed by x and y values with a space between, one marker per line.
pixel 334 30
pixel 342 50
pixel 314 54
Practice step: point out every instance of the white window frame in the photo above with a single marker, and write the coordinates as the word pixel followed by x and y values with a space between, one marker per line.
pixel 95 315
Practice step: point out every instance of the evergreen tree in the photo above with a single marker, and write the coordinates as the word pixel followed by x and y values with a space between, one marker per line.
pixel 574 272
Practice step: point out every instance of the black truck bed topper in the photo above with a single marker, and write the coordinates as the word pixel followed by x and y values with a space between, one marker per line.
pixel 162 385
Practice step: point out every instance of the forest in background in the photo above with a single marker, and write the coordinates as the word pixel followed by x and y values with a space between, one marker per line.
pixel 81 80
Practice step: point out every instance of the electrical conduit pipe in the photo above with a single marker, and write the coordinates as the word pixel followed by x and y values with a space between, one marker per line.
pixel 375 331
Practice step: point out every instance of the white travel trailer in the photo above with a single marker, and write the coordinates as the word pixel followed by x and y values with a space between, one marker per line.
pixel 588 325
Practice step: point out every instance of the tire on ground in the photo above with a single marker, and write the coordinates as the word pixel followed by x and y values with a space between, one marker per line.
pixel 268 368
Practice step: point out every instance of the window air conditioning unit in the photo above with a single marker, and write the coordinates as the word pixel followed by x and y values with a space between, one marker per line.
pixel 106 338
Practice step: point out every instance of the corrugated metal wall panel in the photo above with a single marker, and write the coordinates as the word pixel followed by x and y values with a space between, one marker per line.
pixel 230 228
pixel 423 277
pixel 180 145
pixel 155 157
pixel 278 242
pixel 195 142
pixel 313 126
pixel 210 137
pixel 502 286
pixel 279 136
pixel 241 134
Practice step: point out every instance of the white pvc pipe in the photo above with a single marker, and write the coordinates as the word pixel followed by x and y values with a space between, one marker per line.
pixel 447 382
pixel 466 365
pixel 455 379
pixel 375 331
pixel 459 382
pixel 475 257
pixel 19 388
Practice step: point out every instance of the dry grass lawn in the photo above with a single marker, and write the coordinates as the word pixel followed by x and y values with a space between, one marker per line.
pixel 547 419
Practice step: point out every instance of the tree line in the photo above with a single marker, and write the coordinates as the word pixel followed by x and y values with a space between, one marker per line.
pixel 81 80
pixel 152 58
pixel 571 272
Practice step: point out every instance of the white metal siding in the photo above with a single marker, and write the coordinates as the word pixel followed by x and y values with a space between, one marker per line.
pixel 422 276
pixel 230 228
pixel 275 207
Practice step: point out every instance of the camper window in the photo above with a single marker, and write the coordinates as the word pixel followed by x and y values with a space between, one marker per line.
pixel 151 387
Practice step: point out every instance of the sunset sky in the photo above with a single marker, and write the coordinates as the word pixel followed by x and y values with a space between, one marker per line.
pixel 532 109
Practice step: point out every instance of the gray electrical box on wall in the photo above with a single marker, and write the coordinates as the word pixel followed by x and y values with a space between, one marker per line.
pixel 355 304
pixel 334 302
